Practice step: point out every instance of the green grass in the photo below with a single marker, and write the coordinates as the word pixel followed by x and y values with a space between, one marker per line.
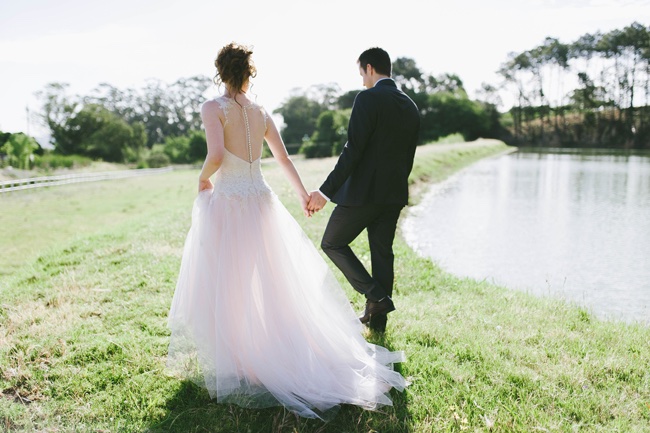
pixel 451 139
pixel 83 337
pixel 33 221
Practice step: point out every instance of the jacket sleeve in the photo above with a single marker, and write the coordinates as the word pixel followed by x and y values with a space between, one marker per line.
pixel 363 120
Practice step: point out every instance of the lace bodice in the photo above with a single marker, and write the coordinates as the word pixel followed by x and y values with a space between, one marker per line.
pixel 237 178
pixel 240 173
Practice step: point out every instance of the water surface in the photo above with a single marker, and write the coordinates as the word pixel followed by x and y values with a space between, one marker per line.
pixel 569 225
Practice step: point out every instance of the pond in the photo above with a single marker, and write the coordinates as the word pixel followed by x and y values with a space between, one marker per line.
pixel 568 224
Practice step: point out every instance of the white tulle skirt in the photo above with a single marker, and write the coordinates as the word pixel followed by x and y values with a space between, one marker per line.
pixel 259 320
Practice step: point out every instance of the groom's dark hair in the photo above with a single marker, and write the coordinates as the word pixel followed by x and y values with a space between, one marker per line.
pixel 378 58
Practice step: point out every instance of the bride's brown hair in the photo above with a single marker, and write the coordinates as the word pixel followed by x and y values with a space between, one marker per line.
pixel 234 66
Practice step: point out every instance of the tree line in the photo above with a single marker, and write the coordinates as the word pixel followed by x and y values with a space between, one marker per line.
pixel 160 124
pixel 153 126
pixel 316 119
pixel 592 92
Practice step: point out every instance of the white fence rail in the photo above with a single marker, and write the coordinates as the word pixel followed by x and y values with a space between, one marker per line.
pixel 65 179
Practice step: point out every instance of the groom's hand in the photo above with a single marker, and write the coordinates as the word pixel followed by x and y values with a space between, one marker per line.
pixel 317 201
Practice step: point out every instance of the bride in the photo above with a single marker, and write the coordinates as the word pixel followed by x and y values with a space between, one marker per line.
pixel 257 317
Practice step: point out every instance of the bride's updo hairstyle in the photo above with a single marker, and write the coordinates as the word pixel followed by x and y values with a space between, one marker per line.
pixel 234 66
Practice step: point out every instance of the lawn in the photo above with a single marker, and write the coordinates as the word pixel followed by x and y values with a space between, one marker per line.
pixel 88 272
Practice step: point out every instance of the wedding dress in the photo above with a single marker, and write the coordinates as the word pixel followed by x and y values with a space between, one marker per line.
pixel 257 316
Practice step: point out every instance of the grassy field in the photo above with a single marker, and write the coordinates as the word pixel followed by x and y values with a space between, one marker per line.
pixel 88 272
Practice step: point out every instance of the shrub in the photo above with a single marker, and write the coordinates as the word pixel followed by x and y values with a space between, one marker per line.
pixel 177 149
pixel 52 161
pixel 19 150
pixel 316 150
pixel 157 160
pixel 197 146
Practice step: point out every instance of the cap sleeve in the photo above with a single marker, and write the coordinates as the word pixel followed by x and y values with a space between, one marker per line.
pixel 224 104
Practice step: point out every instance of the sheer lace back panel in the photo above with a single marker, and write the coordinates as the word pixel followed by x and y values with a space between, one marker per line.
pixel 244 128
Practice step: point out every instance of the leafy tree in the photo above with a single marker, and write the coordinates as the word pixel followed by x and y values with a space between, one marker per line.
pixel 612 72
pixel 408 75
pixel 177 149
pixel 58 108
pixel 103 135
pixel 197 146
pixel 588 95
pixel 330 135
pixel 79 125
pixel 19 149
pixel 155 112
pixel 300 114
pixel 447 114
pixel 330 128
pixel 185 97
pixel 446 83
pixel 123 103
pixel 164 110
pixel 489 94
pixel 635 42
pixel 4 137
pixel 346 100
pixel 325 94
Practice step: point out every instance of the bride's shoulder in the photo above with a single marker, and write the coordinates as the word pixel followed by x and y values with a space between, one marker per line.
pixel 209 106
pixel 257 105
pixel 219 101
pixel 214 105
pixel 214 109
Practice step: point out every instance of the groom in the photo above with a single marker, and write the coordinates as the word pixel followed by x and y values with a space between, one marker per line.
pixel 369 184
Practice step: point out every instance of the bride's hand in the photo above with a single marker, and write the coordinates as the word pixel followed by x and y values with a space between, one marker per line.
pixel 205 184
pixel 304 202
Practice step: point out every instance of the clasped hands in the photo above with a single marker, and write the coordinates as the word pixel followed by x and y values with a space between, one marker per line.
pixel 313 203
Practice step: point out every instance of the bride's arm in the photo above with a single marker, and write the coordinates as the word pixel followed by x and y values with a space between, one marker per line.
pixel 214 137
pixel 281 155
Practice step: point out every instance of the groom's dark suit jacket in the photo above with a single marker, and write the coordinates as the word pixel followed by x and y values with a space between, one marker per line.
pixel 377 159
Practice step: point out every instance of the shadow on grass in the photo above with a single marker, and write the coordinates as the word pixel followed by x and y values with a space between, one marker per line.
pixel 190 409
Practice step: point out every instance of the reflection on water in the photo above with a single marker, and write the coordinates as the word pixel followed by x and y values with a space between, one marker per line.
pixel 572 225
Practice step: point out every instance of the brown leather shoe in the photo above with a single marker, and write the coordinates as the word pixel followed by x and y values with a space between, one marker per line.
pixel 377 323
pixel 382 307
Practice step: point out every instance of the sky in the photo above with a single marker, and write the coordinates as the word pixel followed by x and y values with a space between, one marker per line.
pixel 296 43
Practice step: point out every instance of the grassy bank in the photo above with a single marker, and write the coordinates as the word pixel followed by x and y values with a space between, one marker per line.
pixel 83 337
